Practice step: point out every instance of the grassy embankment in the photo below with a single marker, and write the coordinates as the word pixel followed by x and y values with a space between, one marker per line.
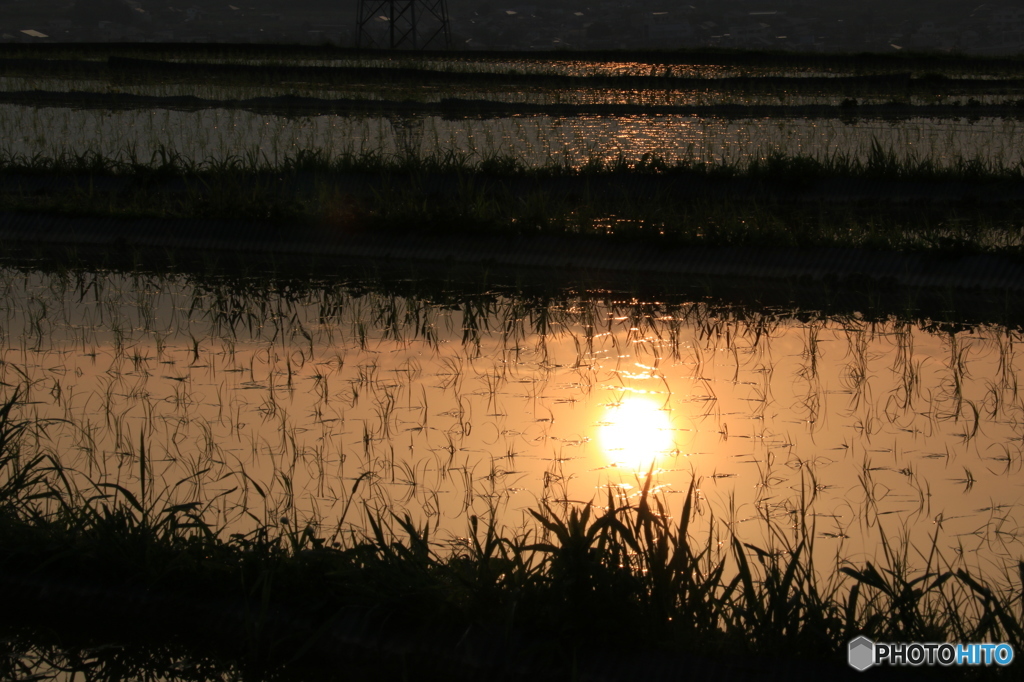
pixel 887 202
pixel 130 570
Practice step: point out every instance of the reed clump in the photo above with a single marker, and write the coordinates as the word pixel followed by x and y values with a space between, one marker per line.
pixel 290 598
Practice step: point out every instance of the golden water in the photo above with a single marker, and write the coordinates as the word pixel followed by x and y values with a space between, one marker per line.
pixel 267 404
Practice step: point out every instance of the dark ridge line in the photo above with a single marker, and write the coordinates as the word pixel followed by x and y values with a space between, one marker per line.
pixel 10 65
pixel 681 184
pixel 566 253
pixel 128 67
pixel 122 65
pixel 487 109
pixel 700 56
pixel 665 80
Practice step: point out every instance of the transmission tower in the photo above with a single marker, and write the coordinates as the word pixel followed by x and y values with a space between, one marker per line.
pixel 403 24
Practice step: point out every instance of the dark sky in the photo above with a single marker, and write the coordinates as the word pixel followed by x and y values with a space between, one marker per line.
pixel 845 24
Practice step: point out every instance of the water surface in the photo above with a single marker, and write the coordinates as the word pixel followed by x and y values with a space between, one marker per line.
pixel 219 134
pixel 270 402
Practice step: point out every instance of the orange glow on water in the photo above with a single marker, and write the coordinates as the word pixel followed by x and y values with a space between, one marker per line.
pixel 636 432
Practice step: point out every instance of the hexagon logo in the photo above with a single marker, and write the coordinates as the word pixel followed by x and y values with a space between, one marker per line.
pixel 861 653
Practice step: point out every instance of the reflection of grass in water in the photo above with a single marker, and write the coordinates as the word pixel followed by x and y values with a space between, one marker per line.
pixel 628 575
pixel 503 194
pixel 711 330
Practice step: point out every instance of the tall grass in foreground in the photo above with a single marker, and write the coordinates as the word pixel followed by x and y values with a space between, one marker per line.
pixel 624 575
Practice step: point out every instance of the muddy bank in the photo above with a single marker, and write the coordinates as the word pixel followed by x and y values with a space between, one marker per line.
pixel 454 108
pixel 565 253
pixel 629 187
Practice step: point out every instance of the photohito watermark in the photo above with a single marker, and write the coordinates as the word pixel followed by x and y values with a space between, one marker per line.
pixel 862 653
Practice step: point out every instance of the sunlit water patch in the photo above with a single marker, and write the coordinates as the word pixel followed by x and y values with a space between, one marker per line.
pixel 636 433
pixel 427 93
pixel 553 67
pixel 287 404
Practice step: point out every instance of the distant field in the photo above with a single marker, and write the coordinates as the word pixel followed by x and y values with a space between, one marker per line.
pixel 896 152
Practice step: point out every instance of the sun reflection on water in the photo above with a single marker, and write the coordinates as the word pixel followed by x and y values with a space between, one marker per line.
pixel 635 432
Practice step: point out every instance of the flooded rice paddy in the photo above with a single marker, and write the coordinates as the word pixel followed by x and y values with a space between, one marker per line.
pixel 280 404
pixel 219 134
pixel 552 67
pixel 33 129
pixel 271 403
pixel 525 94
pixel 717 66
